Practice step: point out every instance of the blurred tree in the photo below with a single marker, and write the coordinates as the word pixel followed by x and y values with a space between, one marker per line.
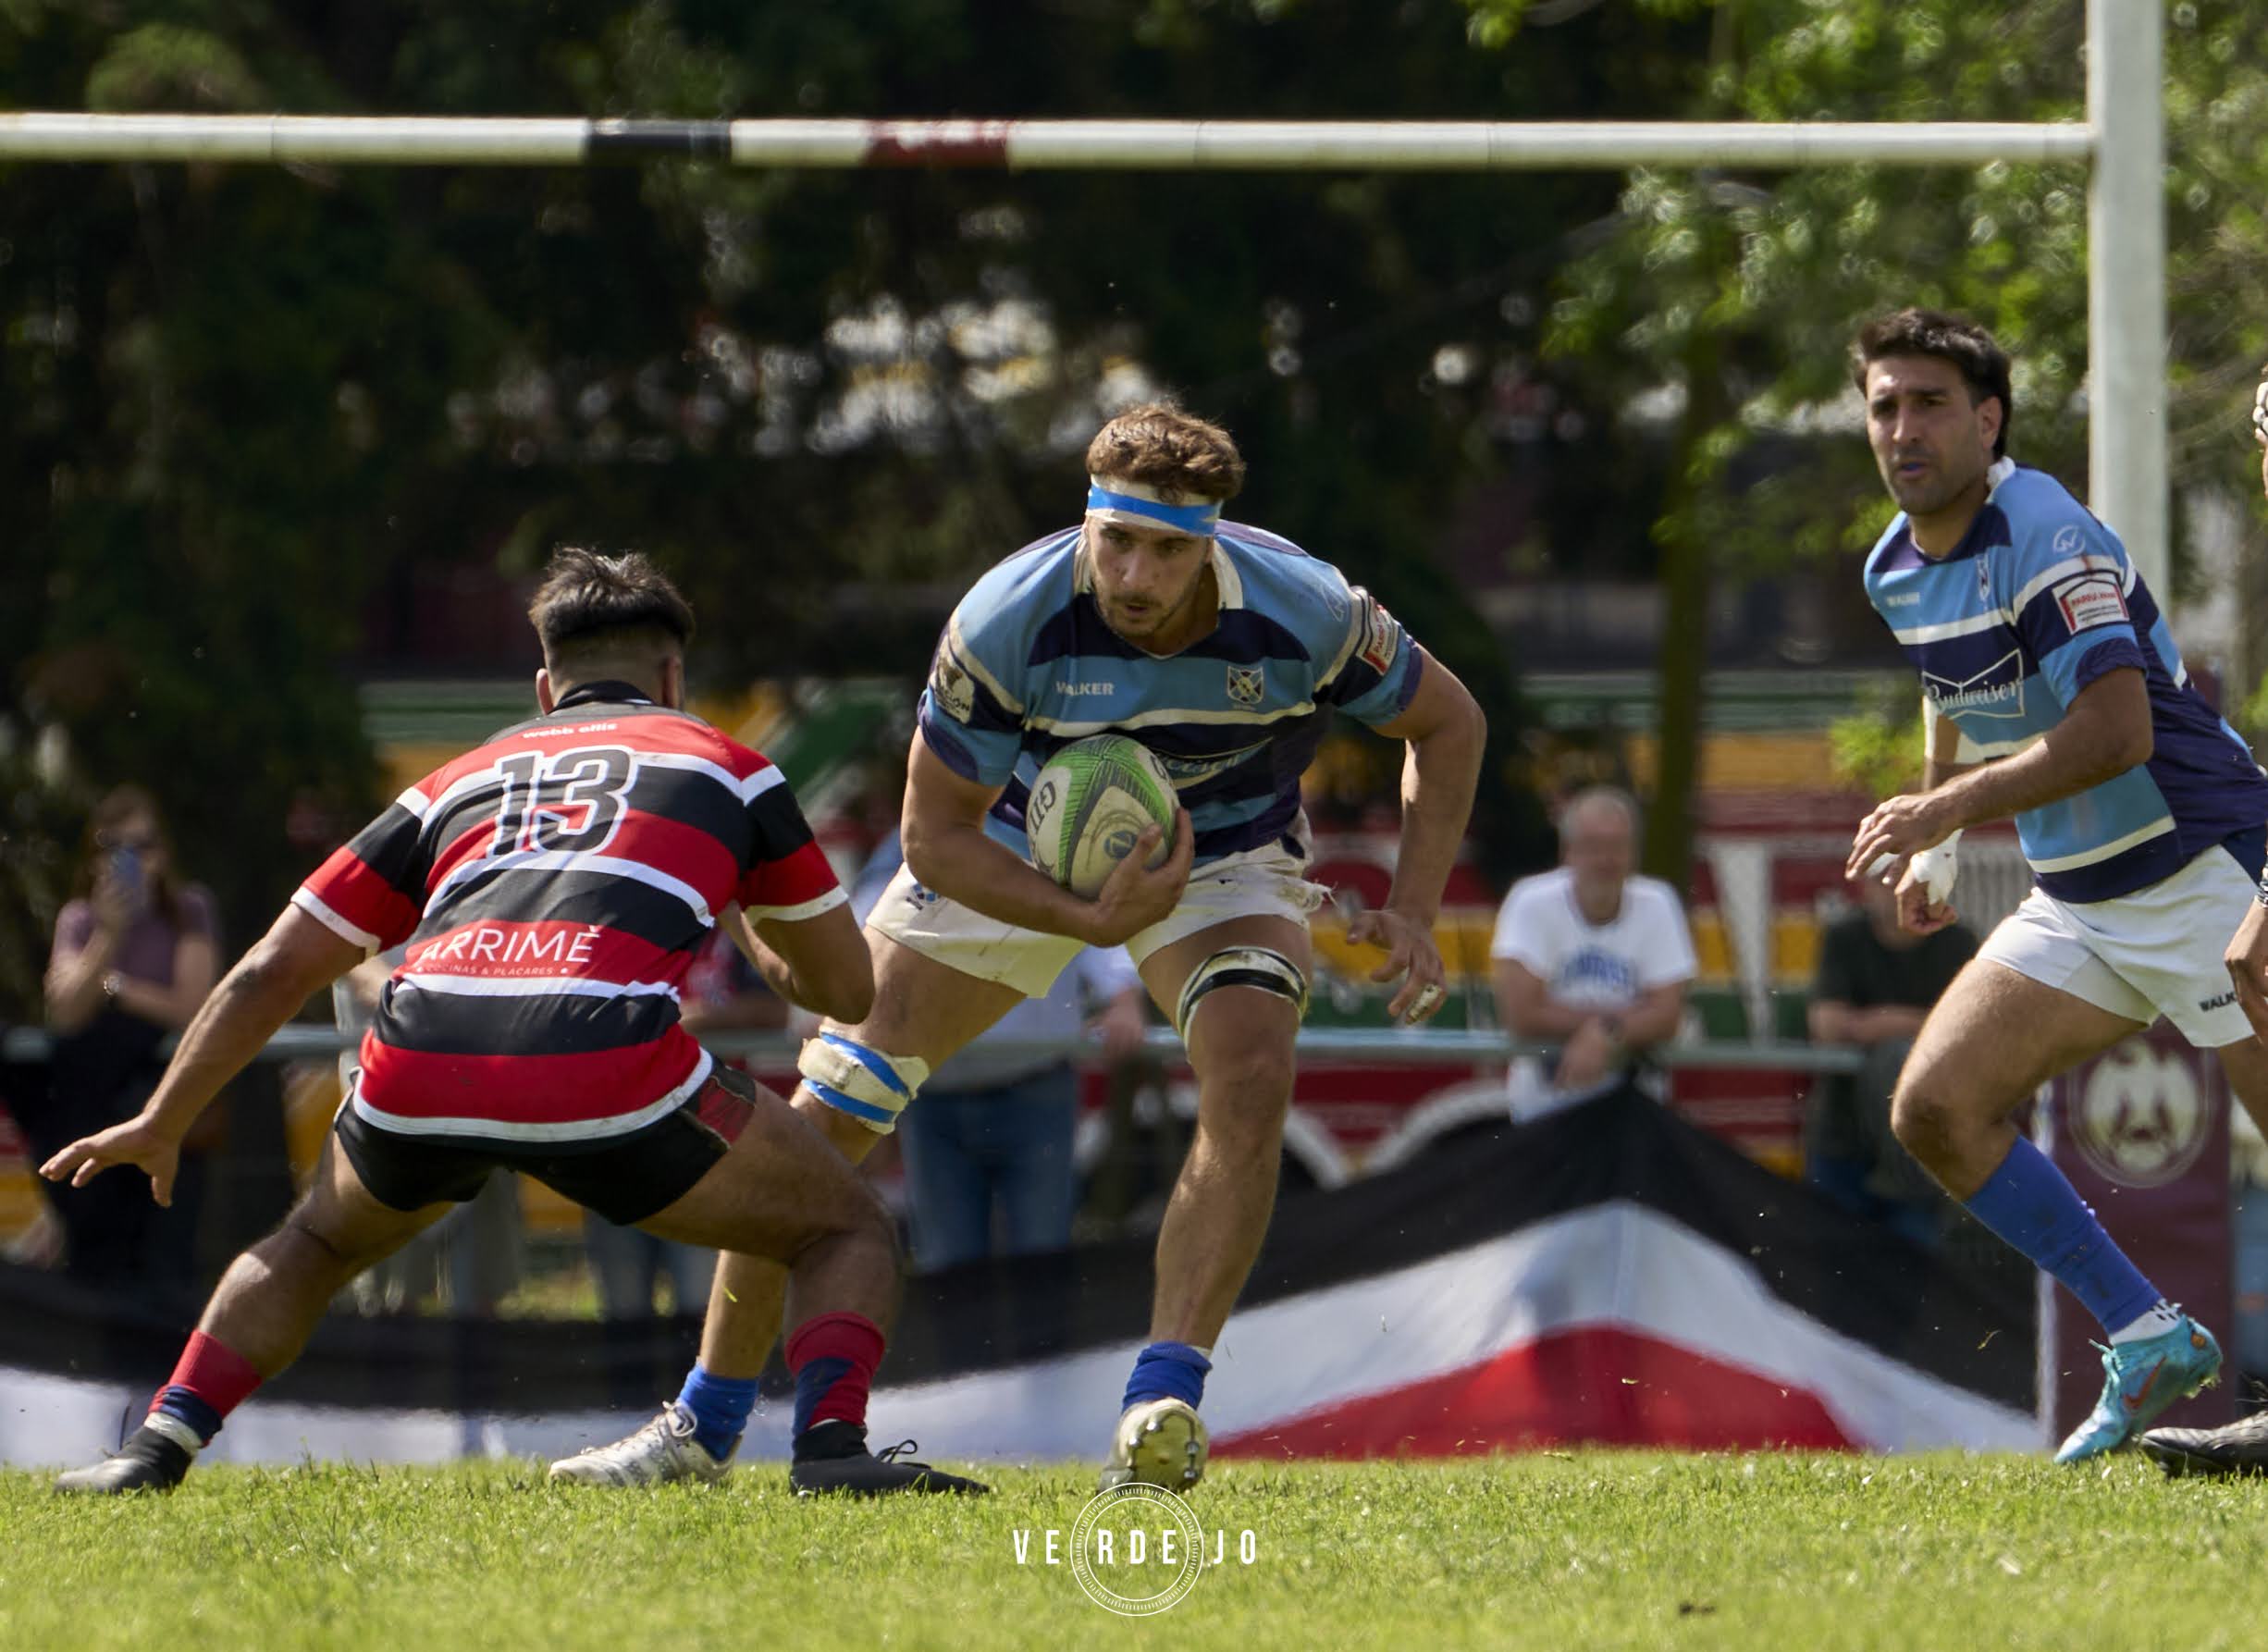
pixel 253 418
pixel 1738 295
pixel 191 477
pixel 1877 749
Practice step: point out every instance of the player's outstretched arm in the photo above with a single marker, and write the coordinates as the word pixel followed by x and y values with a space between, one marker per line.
pixel 2104 732
pixel 296 958
pixel 946 849
pixel 1445 729
pixel 821 963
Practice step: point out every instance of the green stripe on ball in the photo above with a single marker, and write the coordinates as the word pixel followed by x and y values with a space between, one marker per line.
pixel 1080 779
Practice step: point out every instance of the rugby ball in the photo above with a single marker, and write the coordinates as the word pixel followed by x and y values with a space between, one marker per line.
pixel 1089 805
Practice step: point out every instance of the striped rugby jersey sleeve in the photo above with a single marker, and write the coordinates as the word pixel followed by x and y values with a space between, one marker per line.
pixel 371 890
pixel 971 714
pixel 1373 672
pixel 787 877
pixel 2067 585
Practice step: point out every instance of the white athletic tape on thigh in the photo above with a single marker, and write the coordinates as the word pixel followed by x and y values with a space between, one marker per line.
pixel 1261 966
pixel 851 1077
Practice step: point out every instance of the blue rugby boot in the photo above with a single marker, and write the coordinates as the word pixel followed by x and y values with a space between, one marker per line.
pixel 2140 1380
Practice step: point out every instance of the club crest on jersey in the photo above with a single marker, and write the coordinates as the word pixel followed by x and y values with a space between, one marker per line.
pixel 1246 684
pixel 951 688
pixel 1996 691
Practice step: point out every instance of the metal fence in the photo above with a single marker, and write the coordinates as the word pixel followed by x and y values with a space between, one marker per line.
pixel 1320 1046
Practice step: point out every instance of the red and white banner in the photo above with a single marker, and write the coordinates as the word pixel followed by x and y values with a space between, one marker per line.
pixel 1607 1275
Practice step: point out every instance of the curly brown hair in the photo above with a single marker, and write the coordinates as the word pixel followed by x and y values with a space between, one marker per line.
pixel 1157 444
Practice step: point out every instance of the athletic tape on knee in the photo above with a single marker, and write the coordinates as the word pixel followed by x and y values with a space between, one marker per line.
pixel 851 1077
pixel 1260 967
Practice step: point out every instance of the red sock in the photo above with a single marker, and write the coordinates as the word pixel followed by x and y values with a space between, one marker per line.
pixel 833 1357
pixel 210 1374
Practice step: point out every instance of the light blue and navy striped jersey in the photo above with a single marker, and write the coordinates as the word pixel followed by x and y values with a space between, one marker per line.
pixel 1026 665
pixel 2036 602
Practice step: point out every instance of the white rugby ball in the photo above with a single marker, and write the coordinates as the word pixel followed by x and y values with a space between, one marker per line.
pixel 1089 804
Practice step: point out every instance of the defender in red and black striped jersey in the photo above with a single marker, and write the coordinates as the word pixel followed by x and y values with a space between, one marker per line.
pixel 553 887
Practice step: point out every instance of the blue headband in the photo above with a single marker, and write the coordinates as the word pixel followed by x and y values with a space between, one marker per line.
pixel 1190 519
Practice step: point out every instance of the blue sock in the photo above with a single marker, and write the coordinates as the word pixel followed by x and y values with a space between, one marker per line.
pixel 719 1406
pixel 2029 1203
pixel 1168 1370
pixel 183 1406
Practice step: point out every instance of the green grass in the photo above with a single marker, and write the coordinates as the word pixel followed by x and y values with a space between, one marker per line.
pixel 1582 1551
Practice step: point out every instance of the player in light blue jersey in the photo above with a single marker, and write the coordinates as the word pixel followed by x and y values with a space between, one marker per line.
pixel 2053 692
pixel 1225 649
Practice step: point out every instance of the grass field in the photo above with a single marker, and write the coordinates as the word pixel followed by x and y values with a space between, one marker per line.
pixel 1555 1550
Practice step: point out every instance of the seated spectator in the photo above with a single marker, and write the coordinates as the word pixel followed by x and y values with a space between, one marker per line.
pixel 992 1135
pixel 1874 984
pixel 136 951
pixel 1590 956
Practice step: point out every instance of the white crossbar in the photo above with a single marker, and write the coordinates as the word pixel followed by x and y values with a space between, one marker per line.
pixel 1171 145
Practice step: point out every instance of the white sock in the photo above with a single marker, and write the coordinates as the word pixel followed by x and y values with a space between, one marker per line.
pixel 2155 1323
pixel 1204 1353
pixel 173 1429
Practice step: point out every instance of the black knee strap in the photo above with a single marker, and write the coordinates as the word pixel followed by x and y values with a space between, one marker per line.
pixel 1261 966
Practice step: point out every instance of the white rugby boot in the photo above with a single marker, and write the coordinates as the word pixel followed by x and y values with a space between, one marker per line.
pixel 1159 1442
pixel 657 1454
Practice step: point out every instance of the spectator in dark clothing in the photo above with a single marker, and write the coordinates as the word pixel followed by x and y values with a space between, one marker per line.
pixel 1876 982
pixel 136 952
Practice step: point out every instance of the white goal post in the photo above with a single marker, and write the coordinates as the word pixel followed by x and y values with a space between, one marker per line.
pixel 2123 139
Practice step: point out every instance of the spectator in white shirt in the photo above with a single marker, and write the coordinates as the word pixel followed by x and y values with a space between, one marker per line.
pixel 1590 956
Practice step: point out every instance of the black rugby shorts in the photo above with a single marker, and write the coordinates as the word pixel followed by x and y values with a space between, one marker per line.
pixel 625 1178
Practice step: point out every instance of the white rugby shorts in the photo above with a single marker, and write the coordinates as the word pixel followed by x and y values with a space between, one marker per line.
pixel 2155 952
pixel 1264 883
